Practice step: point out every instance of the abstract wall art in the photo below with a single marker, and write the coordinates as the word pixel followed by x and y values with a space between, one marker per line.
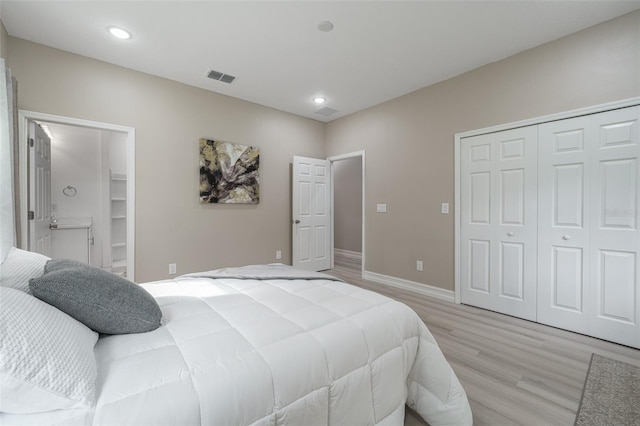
pixel 229 173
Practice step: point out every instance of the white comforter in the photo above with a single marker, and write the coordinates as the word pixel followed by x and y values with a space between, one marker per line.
pixel 272 352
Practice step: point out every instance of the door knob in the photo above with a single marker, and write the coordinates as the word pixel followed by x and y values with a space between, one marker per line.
pixel 296 221
pixel 511 234
pixel 566 237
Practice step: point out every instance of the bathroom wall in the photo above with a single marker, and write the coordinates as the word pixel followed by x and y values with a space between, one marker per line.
pixel 82 157
pixel 75 162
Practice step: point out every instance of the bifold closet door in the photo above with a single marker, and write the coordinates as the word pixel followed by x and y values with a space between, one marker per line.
pixel 498 221
pixel 589 243
pixel 615 240
pixel 564 223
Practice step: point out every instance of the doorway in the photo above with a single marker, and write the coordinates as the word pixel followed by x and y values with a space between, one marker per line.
pixel 348 200
pixel 92 193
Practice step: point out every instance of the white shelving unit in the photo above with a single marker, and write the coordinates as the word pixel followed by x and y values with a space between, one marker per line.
pixel 119 224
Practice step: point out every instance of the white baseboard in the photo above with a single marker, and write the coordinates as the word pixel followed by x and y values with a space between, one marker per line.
pixel 347 253
pixel 423 289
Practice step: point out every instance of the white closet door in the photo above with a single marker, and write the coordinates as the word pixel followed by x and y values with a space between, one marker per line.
pixel 588 208
pixel 563 223
pixel 498 221
pixel 615 239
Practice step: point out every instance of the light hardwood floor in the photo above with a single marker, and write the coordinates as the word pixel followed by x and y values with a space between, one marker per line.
pixel 515 372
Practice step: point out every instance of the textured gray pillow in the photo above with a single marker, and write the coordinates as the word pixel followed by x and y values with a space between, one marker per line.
pixel 102 301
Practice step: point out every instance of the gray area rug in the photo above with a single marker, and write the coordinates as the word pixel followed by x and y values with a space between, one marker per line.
pixel 611 394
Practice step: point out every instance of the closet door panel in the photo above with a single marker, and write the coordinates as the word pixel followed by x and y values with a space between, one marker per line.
pixel 480 198
pixel 498 221
pixel 477 217
pixel 512 280
pixel 618 194
pixel 516 230
pixel 567 282
pixel 568 195
pixel 563 223
pixel 479 265
pixel 512 197
pixel 615 239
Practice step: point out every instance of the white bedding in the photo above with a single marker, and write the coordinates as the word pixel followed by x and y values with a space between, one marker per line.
pixel 270 352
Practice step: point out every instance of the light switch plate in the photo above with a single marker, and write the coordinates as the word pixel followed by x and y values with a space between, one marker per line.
pixel 445 208
pixel 381 208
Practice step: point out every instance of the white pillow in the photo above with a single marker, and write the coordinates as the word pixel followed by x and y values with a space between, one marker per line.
pixel 46 357
pixel 19 267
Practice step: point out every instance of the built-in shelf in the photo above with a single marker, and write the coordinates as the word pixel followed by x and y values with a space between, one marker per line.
pixel 119 263
pixel 118 225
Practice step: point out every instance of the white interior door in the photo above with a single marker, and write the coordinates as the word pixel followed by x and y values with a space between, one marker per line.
pixel 499 221
pixel 564 223
pixel 615 240
pixel 39 190
pixel 311 213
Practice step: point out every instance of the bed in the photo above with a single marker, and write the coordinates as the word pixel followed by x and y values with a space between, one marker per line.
pixel 264 345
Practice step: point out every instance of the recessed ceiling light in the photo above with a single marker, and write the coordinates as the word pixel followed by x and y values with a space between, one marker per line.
pixel 319 100
pixel 119 33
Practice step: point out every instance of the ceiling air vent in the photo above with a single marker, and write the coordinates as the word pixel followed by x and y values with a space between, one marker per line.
pixel 216 75
pixel 326 111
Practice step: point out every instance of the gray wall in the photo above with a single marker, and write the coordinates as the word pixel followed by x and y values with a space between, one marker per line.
pixel 3 41
pixel 347 197
pixel 169 118
pixel 409 141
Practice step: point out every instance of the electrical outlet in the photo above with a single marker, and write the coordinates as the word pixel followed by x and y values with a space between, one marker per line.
pixel 173 269
pixel 278 254
pixel 445 208
pixel 418 265
pixel 381 208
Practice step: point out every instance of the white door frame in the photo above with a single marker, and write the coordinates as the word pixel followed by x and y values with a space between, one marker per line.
pixel 332 160
pixel 24 116
pixel 533 121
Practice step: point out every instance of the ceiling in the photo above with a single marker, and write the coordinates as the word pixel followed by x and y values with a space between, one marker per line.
pixel 377 50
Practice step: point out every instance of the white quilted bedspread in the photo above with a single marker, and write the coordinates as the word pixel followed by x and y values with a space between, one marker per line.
pixel 276 352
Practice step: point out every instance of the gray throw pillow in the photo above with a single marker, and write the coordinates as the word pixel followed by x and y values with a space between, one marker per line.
pixel 102 301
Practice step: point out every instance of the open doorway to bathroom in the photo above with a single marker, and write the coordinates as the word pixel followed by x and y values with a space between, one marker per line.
pixel 88 197
pixel 91 199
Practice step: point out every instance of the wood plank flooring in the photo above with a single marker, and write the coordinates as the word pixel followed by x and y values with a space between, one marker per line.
pixel 515 372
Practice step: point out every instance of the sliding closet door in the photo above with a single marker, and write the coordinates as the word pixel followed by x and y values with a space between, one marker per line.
pixel 615 239
pixel 498 221
pixel 564 223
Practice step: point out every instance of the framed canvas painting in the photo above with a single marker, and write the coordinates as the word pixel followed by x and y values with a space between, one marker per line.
pixel 229 173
